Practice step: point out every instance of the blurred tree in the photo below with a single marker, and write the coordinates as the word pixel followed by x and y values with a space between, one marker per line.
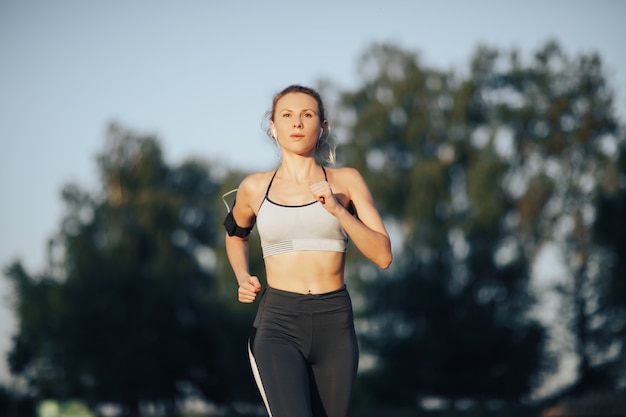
pixel 475 176
pixel 610 232
pixel 558 118
pixel 451 317
pixel 130 310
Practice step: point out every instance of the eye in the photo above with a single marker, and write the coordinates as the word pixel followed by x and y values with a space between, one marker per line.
pixel 308 115
pixel 285 115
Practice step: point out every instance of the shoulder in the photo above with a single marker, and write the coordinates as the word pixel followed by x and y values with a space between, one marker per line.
pixel 345 175
pixel 255 181
pixel 349 182
pixel 252 188
pixel 342 172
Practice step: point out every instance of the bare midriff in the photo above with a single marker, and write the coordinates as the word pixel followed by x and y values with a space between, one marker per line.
pixel 305 272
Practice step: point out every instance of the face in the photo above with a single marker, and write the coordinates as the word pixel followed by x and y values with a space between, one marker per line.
pixel 296 122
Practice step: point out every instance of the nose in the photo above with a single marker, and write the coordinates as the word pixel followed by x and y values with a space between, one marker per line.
pixel 297 122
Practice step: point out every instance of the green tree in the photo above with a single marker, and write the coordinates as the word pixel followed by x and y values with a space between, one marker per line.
pixel 130 309
pixel 610 235
pixel 450 318
pixel 565 136
pixel 476 175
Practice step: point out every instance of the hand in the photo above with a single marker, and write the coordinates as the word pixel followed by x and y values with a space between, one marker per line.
pixel 322 192
pixel 248 289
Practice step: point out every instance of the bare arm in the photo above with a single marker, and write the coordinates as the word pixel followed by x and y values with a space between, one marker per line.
pixel 367 231
pixel 237 248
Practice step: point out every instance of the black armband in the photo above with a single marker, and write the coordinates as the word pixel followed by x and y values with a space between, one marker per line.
pixel 235 230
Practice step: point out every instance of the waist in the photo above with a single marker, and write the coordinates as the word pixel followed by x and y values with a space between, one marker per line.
pixel 301 272
pixel 290 302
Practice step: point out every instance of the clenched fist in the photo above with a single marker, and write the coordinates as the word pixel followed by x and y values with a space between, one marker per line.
pixel 248 289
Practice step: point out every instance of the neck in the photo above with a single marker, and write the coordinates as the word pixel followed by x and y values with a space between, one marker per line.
pixel 299 170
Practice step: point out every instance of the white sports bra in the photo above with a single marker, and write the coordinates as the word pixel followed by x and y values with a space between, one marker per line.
pixel 305 227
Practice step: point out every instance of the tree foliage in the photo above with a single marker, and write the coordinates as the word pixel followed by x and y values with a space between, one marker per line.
pixel 130 311
pixel 565 138
pixel 610 305
pixel 476 174
pixel 448 288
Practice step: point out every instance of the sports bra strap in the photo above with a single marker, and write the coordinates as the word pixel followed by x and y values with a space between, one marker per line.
pixel 270 184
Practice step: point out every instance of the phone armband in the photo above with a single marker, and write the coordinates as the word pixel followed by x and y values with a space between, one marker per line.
pixel 233 229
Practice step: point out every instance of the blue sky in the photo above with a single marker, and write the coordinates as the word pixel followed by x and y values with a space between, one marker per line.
pixel 201 74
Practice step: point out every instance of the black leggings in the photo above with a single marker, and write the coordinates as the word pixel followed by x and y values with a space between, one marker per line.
pixel 304 353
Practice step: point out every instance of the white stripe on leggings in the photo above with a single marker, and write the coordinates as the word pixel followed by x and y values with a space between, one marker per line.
pixel 257 378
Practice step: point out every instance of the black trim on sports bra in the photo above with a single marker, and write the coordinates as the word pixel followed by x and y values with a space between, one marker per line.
pixel 351 208
pixel 284 205
pixel 267 190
